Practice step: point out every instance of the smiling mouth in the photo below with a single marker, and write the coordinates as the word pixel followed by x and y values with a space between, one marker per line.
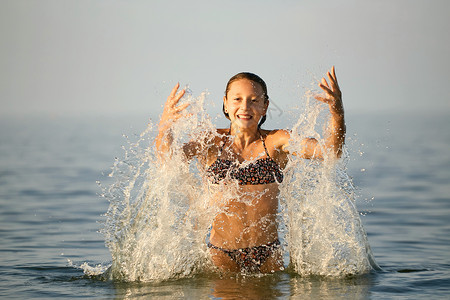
pixel 245 117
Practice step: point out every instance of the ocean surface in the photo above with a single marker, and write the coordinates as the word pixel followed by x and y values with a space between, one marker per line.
pixel 51 213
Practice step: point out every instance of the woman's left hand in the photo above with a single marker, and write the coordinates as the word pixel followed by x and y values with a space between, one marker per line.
pixel 332 95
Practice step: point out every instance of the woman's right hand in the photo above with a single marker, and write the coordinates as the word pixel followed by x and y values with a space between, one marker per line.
pixel 170 114
pixel 171 111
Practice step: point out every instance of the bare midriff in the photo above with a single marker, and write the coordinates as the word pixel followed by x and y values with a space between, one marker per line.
pixel 248 219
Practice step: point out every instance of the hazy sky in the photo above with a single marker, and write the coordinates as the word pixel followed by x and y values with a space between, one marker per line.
pixel 112 57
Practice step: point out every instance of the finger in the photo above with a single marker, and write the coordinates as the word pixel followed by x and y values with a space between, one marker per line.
pixel 333 71
pixel 332 78
pixel 333 83
pixel 178 116
pixel 174 100
pixel 324 82
pixel 335 93
pixel 181 107
pixel 180 94
pixel 326 89
pixel 322 99
pixel 174 90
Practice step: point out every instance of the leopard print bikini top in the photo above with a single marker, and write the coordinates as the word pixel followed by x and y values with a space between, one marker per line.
pixel 262 171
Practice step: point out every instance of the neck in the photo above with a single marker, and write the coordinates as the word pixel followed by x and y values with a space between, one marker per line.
pixel 244 137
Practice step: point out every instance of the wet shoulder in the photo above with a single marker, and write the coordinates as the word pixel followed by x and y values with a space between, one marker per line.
pixel 276 140
pixel 222 131
pixel 214 138
pixel 276 137
pixel 215 143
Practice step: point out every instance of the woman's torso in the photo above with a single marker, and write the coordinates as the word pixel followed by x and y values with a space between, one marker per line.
pixel 245 191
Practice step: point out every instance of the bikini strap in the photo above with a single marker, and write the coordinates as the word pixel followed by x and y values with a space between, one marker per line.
pixel 221 149
pixel 260 135
pixel 223 144
pixel 264 144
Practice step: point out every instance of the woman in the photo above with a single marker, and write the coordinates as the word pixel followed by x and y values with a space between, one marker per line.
pixel 244 234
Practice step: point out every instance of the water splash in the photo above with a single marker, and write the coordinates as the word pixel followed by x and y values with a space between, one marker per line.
pixel 150 227
pixel 96 270
pixel 159 213
pixel 324 232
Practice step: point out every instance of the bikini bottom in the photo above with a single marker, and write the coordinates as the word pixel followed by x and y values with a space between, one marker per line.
pixel 250 259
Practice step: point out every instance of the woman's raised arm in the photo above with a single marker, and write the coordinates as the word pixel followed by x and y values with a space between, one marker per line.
pixel 172 112
pixel 333 97
pixel 335 135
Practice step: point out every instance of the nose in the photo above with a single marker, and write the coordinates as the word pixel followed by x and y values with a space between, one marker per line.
pixel 246 103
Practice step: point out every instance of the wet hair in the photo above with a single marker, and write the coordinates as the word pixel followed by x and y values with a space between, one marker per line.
pixel 252 77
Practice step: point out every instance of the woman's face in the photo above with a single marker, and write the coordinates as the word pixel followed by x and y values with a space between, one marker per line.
pixel 245 103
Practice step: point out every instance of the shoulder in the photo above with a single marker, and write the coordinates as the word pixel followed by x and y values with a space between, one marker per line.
pixel 213 136
pixel 217 137
pixel 276 141
pixel 279 139
pixel 222 130
pixel 275 133
pixel 208 142
pixel 277 136
pixel 220 134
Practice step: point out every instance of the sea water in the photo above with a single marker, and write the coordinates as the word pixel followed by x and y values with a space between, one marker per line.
pixel 51 211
